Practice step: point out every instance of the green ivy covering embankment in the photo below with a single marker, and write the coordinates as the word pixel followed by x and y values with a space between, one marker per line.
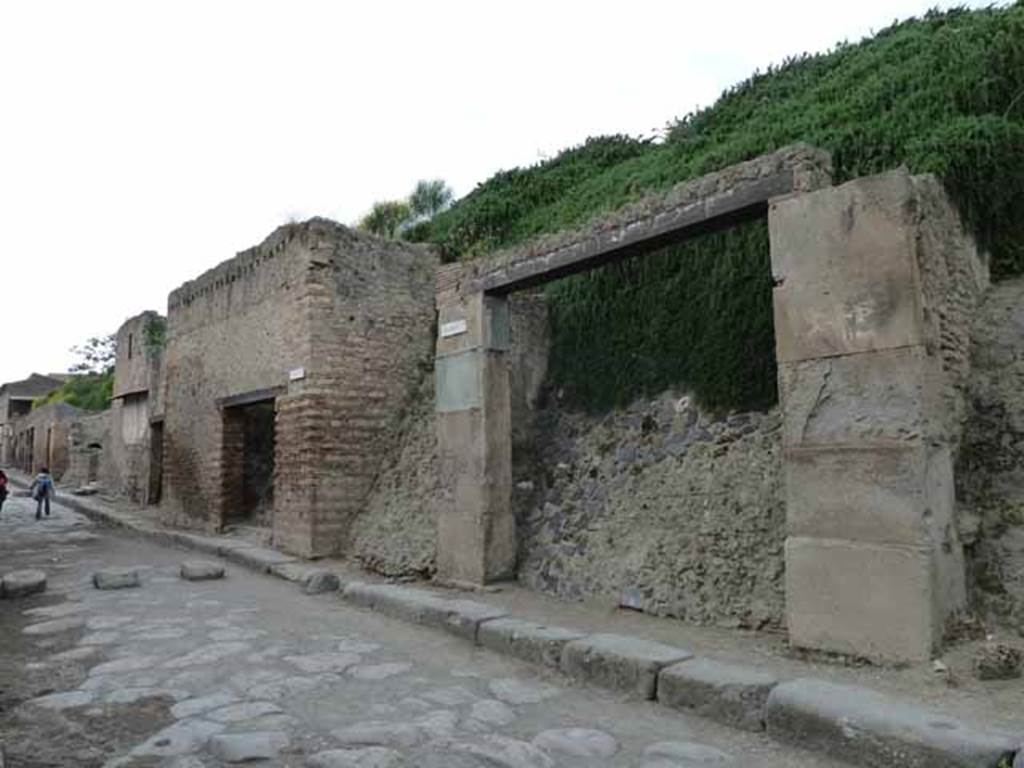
pixel 941 94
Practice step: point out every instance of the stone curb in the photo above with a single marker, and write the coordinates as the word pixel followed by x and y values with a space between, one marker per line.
pixel 620 662
pixel 850 723
pixel 459 617
pixel 863 727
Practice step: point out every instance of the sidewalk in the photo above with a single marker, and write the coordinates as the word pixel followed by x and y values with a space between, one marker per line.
pixel 738 666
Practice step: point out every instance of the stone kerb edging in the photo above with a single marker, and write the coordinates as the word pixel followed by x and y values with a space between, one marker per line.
pixel 846 722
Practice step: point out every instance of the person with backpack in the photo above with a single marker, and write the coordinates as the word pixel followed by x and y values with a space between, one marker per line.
pixel 42 491
pixel 3 489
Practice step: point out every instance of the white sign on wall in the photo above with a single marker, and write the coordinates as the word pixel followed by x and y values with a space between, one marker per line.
pixel 454 328
pixel 296 374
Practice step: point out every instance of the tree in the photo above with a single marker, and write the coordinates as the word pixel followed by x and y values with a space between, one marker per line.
pixel 387 218
pixel 429 198
pixel 96 355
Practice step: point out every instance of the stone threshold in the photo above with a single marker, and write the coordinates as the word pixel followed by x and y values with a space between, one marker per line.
pixel 846 722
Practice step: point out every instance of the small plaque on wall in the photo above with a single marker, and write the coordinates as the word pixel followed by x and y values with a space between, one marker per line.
pixel 296 374
pixel 454 328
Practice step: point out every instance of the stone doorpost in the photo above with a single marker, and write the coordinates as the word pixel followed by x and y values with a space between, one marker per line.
pixel 476 539
pixel 873 563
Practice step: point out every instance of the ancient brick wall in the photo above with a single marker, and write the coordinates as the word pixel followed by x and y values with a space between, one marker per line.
pixel 237 328
pixel 370 314
pixel 337 327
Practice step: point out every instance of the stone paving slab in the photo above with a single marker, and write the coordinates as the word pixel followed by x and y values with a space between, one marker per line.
pixel 863 727
pixel 728 693
pixel 619 662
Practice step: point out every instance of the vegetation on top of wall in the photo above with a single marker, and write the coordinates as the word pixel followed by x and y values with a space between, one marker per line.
pixel 942 94
pixel 88 391
pixel 155 332
pixel 405 218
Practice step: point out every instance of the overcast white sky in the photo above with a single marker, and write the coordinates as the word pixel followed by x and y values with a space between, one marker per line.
pixel 143 142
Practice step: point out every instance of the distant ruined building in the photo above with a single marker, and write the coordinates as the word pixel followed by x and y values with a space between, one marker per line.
pixel 351 396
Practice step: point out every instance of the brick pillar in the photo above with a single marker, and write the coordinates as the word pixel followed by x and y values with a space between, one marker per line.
pixel 873 563
pixel 476 538
pixel 298 471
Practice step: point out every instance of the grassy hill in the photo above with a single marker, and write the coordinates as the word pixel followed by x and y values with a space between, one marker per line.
pixel 942 94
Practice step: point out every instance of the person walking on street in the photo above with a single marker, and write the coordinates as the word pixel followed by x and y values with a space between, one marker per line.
pixel 3 489
pixel 42 491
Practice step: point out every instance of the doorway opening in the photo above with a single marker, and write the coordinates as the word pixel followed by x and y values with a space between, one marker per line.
pixel 92 472
pixel 249 437
pixel 156 462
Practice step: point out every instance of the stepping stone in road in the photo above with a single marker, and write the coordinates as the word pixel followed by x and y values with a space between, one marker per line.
pixel 201 570
pixel 22 583
pixel 116 578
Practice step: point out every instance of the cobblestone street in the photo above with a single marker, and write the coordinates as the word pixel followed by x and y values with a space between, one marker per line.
pixel 191 674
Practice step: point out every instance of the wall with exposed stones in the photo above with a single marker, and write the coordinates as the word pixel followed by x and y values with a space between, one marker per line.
pixel 661 507
pixel 137 381
pixel 954 278
pixel 42 439
pixel 990 471
pixel 396 534
pixel 88 435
